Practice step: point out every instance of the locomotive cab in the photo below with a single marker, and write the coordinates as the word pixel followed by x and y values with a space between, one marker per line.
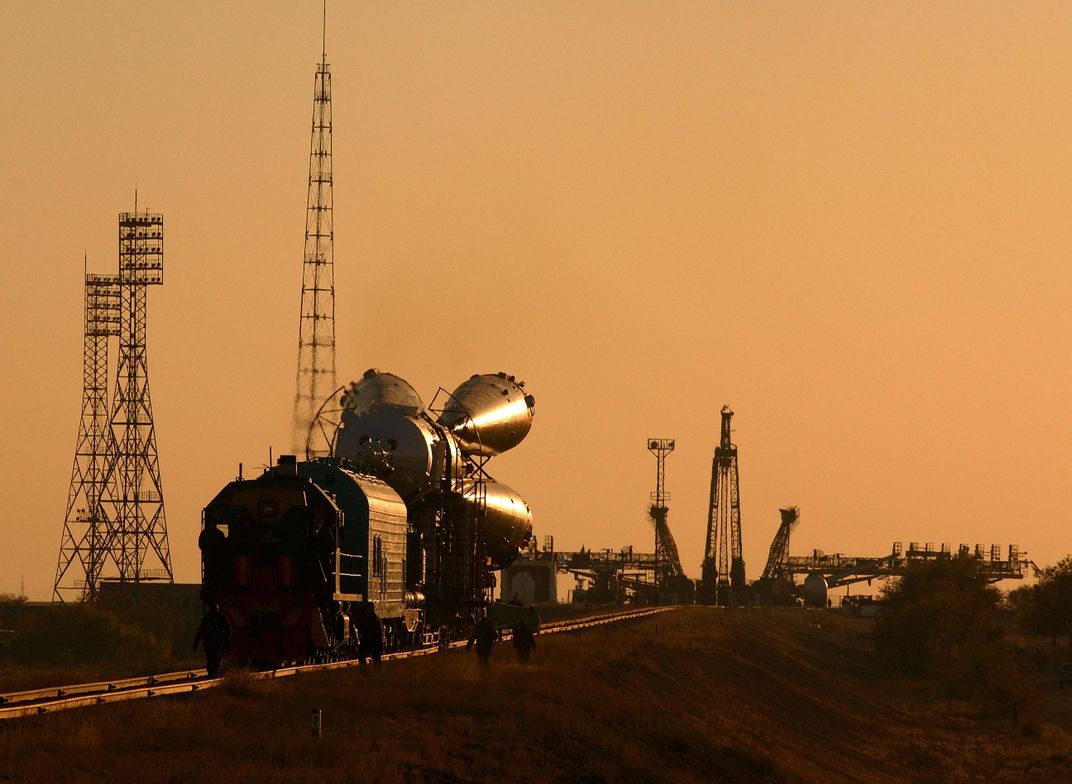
pixel 289 555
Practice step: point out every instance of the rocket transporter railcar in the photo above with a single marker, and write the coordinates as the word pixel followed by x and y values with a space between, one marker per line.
pixel 401 518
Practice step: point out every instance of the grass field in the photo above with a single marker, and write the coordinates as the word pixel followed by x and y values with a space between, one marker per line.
pixel 695 695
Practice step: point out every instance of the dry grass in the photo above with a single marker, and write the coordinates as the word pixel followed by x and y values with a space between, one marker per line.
pixel 693 696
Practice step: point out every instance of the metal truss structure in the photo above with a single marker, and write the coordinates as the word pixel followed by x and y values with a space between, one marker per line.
pixel 115 525
pixel 85 526
pixel 840 570
pixel 778 558
pixel 316 323
pixel 134 494
pixel 723 575
pixel 668 571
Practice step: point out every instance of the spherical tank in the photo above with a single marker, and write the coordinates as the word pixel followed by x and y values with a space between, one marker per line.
pixel 411 451
pixel 507 524
pixel 377 390
pixel 489 414
pixel 815 590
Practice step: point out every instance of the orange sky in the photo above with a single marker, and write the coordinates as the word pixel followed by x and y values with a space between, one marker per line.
pixel 849 221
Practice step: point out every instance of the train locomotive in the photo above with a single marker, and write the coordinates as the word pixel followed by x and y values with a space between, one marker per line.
pixel 400 517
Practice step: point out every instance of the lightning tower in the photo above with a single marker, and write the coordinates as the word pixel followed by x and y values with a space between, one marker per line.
pixel 85 526
pixel 316 323
pixel 668 572
pixel 133 495
pixel 115 524
pixel 722 580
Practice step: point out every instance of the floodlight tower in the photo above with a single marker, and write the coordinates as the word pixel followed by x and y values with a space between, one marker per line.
pixel 316 322
pixel 133 493
pixel 658 510
pixel 723 575
pixel 85 526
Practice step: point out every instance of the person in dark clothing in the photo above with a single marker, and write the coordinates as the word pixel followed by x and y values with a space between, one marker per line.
pixel 524 641
pixel 215 632
pixel 485 636
pixel 213 546
pixel 369 634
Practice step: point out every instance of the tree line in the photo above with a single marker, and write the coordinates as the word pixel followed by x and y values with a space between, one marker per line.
pixel 944 620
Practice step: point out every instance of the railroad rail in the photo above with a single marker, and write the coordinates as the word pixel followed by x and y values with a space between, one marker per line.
pixel 34 702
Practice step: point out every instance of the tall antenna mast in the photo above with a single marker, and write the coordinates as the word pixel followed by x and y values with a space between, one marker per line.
pixel 316 323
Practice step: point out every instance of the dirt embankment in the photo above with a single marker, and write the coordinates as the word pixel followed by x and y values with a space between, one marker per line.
pixel 695 695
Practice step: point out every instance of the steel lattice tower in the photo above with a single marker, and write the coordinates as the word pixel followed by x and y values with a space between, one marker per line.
pixel 134 497
pixel 316 324
pixel 778 558
pixel 85 526
pixel 667 562
pixel 723 576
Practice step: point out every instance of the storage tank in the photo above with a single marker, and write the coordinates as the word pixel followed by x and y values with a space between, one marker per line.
pixel 815 590
pixel 378 390
pixel 489 414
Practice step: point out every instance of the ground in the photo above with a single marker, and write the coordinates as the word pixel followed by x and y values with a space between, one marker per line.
pixel 693 695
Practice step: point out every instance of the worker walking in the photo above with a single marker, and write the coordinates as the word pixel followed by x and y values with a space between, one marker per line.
pixel 215 632
pixel 524 642
pixel 484 636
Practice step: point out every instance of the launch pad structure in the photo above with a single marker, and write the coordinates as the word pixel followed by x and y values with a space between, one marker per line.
pixel 625 575
pixel 839 570
pixel 722 574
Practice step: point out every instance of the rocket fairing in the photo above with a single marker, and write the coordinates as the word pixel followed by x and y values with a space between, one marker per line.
pixel 387 431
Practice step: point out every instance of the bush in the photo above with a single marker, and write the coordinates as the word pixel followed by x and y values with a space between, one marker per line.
pixel 944 619
pixel 79 634
pixel 935 609
pixel 1046 608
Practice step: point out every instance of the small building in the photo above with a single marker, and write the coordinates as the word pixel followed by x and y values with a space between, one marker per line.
pixel 530 580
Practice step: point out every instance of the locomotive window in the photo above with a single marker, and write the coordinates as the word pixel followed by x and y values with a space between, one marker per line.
pixel 377 557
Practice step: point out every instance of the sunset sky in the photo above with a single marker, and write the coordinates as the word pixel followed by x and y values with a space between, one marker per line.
pixel 849 221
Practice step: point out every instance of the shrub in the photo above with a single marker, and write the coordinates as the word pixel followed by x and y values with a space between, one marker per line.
pixel 1046 608
pixel 944 619
pixel 81 634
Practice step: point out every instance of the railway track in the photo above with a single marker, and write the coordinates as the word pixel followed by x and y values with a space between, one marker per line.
pixel 34 702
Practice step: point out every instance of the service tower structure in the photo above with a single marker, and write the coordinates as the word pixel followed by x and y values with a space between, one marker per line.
pixel 723 576
pixel 316 322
